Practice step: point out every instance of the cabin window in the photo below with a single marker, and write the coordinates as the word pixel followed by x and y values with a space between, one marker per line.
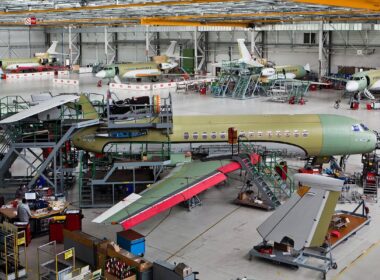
pixel 195 135
pixel 241 134
pixel 251 134
pixel 204 135
pixel 305 133
pixel 186 135
pixel 287 133
pixel 223 135
pixel 213 135
pixel 296 133
pixel 259 133
pixel 270 133
pixel 278 133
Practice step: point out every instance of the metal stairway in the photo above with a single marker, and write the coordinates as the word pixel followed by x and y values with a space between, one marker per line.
pixel 242 87
pixel 222 85
pixel 264 189
pixel 8 153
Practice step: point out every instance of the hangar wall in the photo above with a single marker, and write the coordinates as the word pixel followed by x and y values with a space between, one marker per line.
pixel 281 47
pixel 14 41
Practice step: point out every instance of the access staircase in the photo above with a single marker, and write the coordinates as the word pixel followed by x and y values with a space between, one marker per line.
pixel 222 85
pixel 8 152
pixel 242 86
pixel 266 193
pixel 267 172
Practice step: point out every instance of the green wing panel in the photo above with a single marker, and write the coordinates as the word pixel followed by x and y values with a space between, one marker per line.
pixel 179 178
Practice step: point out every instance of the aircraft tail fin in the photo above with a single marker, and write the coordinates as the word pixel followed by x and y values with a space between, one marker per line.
pixel 52 49
pixel 88 110
pixel 244 53
pixel 306 216
pixel 170 51
pixel 245 56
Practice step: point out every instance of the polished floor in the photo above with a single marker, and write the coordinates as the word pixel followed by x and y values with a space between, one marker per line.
pixel 215 238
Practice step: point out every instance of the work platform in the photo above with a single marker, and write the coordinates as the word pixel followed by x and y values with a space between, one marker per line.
pixel 43 145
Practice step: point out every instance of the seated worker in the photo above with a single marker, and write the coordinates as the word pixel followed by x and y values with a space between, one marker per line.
pixel 23 211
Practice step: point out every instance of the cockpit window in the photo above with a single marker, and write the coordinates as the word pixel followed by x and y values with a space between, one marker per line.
pixel 357 78
pixel 359 127
pixel 364 127
pixel 355 127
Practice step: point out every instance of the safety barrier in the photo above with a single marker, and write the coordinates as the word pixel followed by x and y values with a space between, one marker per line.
pixel 66 82
pixel 21 76
pixel 142 87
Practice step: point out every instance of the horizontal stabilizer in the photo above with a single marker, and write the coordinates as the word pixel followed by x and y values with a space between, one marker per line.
pixel 43 106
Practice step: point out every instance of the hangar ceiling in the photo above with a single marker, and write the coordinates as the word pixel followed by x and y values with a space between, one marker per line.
pixel 242 13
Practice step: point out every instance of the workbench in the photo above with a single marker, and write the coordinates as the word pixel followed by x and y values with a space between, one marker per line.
pixel 39 221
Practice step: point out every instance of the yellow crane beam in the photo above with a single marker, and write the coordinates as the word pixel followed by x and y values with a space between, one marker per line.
pixel 372 5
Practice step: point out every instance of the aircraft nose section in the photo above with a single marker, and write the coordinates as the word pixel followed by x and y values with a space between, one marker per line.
pixel 268 72
pixel 101 74
pixel 352 86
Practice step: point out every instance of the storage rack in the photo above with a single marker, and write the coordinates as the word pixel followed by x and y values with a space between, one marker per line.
pixel 53 264
pixel 13 263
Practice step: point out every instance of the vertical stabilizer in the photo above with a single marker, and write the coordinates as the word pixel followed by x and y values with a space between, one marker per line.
pixel 171 49
pixel 52 49
pixel 306 216
pixel 244 53
pixel 245 56
pixel 88 110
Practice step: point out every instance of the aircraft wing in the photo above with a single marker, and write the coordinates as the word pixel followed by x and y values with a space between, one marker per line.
pixel 41 107
pixel 183 183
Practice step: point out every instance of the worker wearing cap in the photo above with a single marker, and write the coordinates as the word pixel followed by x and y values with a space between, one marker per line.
pixel 23 211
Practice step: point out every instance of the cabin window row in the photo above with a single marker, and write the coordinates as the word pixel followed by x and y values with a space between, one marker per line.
pixel 250 134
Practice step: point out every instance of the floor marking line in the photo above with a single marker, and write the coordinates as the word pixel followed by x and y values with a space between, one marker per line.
pixel 364 253
pixel 203 232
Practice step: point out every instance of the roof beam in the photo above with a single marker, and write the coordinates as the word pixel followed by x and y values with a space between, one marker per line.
pixel 264 14
pixel 149 21
pixel 115 6
pixel 372 5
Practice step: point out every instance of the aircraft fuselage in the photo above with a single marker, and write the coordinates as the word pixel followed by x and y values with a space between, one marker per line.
pixel 316 135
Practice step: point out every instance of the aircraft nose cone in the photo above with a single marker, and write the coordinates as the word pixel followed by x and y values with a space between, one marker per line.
pixel 268 72
pixel 101 74
pixel 352 86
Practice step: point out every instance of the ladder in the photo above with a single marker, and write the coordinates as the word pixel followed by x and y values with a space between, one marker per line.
pixel 267 194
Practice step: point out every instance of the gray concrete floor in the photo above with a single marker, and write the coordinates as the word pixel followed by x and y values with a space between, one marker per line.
pixel 215 238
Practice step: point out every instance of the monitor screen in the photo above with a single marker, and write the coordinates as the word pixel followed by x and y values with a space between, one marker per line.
pixel 30 196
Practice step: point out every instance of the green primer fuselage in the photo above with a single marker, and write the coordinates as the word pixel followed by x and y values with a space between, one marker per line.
pixel 297 70
pixel 316 135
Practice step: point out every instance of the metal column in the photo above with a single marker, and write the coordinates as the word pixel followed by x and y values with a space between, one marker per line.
pixel 195 50
pixel 109 51
pixel 74 51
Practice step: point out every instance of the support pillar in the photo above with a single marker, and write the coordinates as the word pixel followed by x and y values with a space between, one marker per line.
pixel 109 51
pixel 147 43
pixel 74 50
pixel 195 50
